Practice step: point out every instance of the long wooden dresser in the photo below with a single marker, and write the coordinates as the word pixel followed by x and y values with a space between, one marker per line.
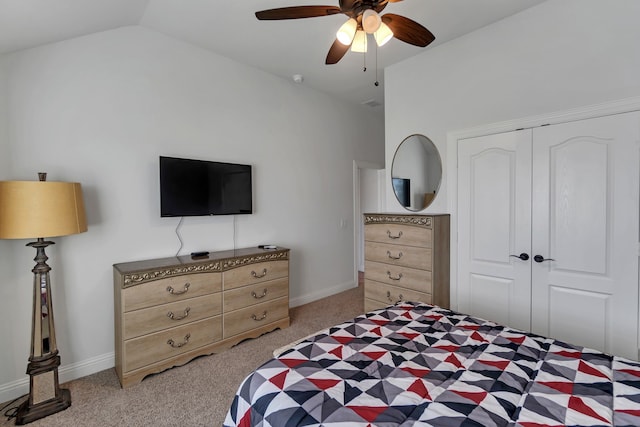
pixel 171 310
pixel 406 259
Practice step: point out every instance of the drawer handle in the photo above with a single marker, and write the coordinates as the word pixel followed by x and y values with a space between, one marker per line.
pixel 256 296
pixel 394 257
pixel 173 344
pixel 258 319
pixel 400 298
pixel 174 292
pixel 257 276
pixel 398 277
pixel 171 316
pixel 394 237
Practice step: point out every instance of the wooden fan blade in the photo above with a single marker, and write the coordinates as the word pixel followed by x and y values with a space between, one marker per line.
pixel 407 30
pixel 336 52
pixel 296 12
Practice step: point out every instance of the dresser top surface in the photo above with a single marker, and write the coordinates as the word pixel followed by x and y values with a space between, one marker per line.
pixel 176 261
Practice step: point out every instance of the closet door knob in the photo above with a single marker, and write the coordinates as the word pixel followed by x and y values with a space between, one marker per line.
pixel 540 258
pixel 523 256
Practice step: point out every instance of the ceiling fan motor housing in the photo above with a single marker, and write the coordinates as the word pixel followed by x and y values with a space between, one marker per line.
pixel 355 8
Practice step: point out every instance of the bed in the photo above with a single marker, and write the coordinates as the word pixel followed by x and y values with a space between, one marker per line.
pixel 421 365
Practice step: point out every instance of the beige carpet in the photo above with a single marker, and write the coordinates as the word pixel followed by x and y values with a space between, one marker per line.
pixel 198 393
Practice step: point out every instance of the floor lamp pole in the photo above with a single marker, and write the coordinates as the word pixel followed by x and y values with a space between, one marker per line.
pixel 45 395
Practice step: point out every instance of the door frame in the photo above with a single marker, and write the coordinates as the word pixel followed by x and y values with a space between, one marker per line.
pixel 357 215
pixel 586 112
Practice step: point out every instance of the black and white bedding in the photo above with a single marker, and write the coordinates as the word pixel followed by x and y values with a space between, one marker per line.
pixel 420 365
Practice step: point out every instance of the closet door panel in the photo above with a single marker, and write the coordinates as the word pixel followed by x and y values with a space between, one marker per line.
pixel 585 222
pixel 494 208
pixel 579 179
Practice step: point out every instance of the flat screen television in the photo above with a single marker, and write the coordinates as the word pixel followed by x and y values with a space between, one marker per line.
pixel 191 187
pixel 402 188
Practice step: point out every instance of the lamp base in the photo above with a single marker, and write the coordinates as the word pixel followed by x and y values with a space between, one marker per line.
pixel 45 395
pixel 28 413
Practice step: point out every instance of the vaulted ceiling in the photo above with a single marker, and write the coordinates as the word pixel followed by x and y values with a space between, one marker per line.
pixel 230 28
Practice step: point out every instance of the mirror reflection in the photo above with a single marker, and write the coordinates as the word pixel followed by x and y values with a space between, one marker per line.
pixel 416 172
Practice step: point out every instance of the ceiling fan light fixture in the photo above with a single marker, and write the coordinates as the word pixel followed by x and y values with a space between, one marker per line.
pixel 383 35
pixel 347 31
pixel 371 21
pixel 359 42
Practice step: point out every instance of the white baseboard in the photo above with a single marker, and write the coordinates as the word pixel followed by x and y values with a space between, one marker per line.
pixel 326 292
pixel 15 389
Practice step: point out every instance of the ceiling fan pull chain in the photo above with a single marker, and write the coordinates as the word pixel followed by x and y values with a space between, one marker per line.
pixel 376 83
pixel 364 62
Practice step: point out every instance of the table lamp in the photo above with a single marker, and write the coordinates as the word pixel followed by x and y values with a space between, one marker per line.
pixel 35 210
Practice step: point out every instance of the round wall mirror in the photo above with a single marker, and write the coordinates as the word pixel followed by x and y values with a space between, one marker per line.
pixel 416 172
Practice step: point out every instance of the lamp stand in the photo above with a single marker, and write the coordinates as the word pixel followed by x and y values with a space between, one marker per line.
pixel 45 395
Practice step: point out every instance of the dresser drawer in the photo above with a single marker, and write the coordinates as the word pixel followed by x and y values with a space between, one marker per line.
pixel 255 294
pixel 399 234
pixel 408 256
pixel 170 289
pixel 153 319
pixel 395 275
pixel 252 317
pixel 162 345
pixel 392 294
pixel 370 305
pixel 255 273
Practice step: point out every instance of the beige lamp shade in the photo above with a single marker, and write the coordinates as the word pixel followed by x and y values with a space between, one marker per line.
pixel 34 209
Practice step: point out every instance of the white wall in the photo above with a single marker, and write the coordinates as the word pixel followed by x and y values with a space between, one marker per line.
pixel 560 55
pixel 101 109
pixel 371 188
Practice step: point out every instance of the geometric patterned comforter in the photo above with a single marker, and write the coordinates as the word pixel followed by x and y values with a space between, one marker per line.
pixel 420 365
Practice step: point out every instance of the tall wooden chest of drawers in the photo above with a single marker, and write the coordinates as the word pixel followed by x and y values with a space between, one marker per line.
pixel 406 259
pixel 171 310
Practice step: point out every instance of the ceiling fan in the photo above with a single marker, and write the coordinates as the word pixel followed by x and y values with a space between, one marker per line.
pixel 364 19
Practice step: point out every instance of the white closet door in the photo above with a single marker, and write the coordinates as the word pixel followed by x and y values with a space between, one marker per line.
pixel 494 222
pixel 585 219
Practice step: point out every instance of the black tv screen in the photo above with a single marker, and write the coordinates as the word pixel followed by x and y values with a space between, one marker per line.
pixel 197 188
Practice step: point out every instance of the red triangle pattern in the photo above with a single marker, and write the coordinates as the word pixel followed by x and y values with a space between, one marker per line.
pixel 292 363
pixel 369 413
pixel 500 364
pixel 634 412
pixel 631 372
pixel 343 340
pixel 517 340
pixel 417 372
pixel 409 336
pixel 476 336
pixel 571 354
pixel 375 355
pixel 587 369
pixel 419 388
pixel 245 421
pixel 454 361
pixel 323 384
pixel 526 424
pixel 578 405
pixel 278 380
pixel 337 352
pixel 449 348
pixel 475 397
pixel 377 331
pixel 562 387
